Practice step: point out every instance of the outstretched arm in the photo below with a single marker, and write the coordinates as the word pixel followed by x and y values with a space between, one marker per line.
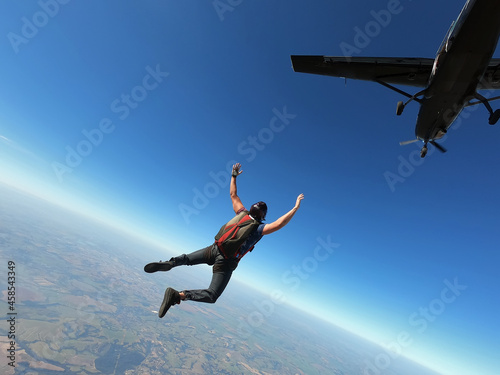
pixel 233 192
pixel 284 220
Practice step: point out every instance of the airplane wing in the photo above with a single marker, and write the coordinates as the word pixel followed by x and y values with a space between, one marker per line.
pixel 491 79
pixel 391 70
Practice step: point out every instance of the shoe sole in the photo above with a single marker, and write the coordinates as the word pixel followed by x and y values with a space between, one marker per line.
pixel 165 305
pixel 157 266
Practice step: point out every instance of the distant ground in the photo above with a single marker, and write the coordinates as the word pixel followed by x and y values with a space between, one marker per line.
pixel 85 306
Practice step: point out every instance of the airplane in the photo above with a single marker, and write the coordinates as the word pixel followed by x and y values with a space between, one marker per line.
pixel 450 82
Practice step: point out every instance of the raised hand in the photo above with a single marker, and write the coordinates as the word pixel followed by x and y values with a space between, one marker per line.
pixel 236 170
pixel 299 198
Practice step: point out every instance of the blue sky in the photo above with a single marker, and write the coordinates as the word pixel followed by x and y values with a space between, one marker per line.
pixel 131 112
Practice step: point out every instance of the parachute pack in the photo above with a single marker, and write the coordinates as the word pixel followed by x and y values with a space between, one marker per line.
pixel 233 235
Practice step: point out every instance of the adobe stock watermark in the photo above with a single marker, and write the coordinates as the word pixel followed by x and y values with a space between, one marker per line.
pixel 248 148
pixel 223 6
pixel 420 320
pixel 363 36
pixel 293 279
pixel 121 107
pixel 408 165
pixel 32 25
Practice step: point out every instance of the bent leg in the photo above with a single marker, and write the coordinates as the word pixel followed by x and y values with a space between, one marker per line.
pixel 219 282
pixel 203 256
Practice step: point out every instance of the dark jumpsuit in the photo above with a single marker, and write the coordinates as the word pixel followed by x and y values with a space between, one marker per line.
pixel 222 268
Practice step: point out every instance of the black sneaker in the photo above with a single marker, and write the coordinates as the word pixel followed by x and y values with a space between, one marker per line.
pixel 158 266
pixel 172 297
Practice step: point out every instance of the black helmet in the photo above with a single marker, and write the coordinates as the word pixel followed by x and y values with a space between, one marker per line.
pixel 258 211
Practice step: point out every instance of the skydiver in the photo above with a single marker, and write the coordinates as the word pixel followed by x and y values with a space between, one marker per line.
pixel 227 250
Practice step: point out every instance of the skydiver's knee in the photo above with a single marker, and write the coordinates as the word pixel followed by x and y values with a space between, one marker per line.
pixel 213 296
pixel 209 256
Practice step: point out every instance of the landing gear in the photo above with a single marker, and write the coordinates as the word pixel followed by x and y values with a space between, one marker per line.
pixel 400 108
pixel 423 152
pixel 424 149
pixel 494 116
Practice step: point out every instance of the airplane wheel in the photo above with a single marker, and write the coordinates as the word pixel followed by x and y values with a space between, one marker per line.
pixel 423 152
pixel 400 108
pixel 495 117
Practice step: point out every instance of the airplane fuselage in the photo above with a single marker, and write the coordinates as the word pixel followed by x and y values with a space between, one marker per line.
pixel 464 64
pixel 459 67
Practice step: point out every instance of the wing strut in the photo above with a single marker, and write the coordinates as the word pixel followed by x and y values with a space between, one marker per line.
pixel 404 93
pixel 480 102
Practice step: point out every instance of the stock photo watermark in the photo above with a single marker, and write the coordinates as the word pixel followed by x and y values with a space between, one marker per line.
pixel 223 6
pixel 363 36
pixel 293 279
pixel 31 26
pixel 121 107
pixel 248 148
pixel 408 164
pixel 420 320
pixel 12 313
